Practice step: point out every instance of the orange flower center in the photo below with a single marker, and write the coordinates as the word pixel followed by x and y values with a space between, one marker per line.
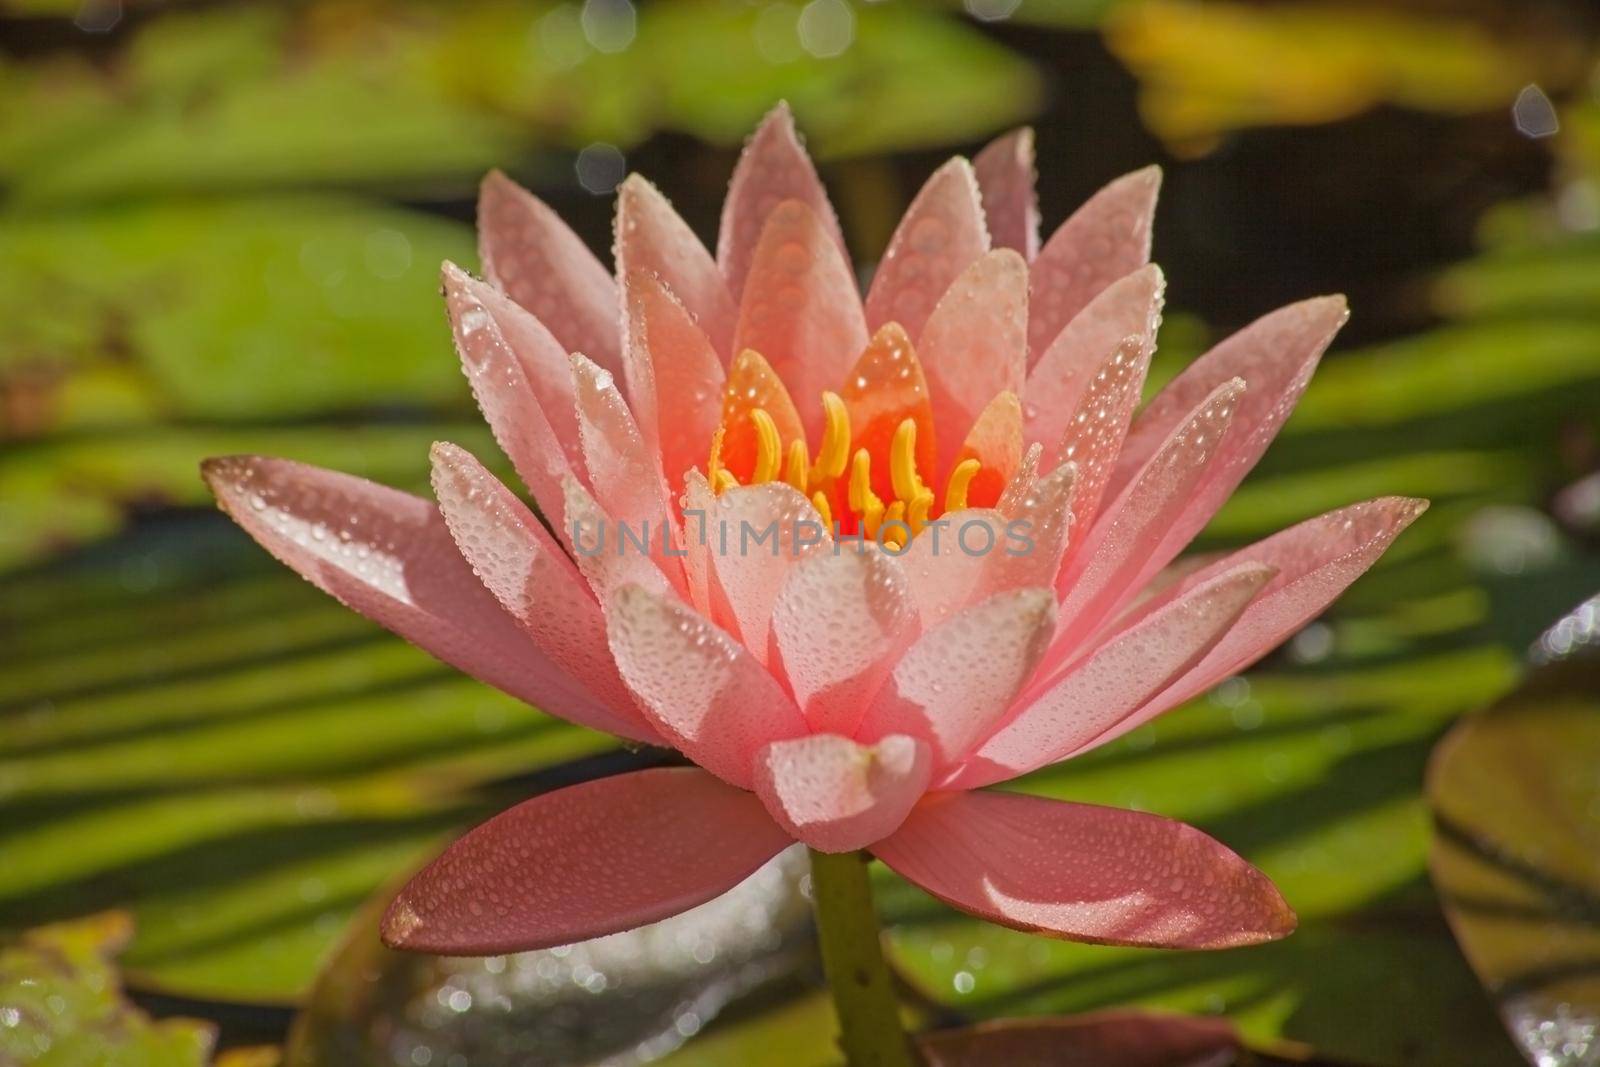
pixel 875 451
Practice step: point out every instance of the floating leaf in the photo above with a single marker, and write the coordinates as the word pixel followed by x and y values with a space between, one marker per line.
pixel 630 997
pixel 1516 852
pixel 1106 1039
pixel 191 731
pixel 1208 68
pixel 61 1003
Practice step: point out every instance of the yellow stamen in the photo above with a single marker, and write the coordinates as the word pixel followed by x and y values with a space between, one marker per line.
pixel 955 491
pixel 714 471
pixel 917 510
pixel 820 500
pixel 769 450
pixel 724 481
pixel 903 461
pixel 833 453
pixel 894 525
pixel 799 462
pixel 863 501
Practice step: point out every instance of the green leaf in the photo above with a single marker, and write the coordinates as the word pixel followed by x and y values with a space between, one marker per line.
pixel 61 1003
pixel 1514 795
pixel 179 330
pixel 1208 68
pixel 190 730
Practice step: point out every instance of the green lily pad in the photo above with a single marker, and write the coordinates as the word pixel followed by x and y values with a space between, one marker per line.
pixel 1516 854
pixel 192 732
pixel 1209 68
pixel 61 1003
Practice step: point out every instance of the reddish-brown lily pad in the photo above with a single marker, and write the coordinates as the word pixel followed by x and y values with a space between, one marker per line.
pixel 1516 854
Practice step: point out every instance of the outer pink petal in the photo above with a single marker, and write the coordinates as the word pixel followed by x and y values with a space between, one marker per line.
pixel 1125 549
pixel 1066 710
pixel 941 234
pixel 946 564
pixel 1038 526
pixel 800 308
pixel 1275 356
pixel 542 443
pixel 772 168
pixel 674 377
pixel 755 536
pixel 532 578
pixel 530 254
pixel 606 549
pixel 975 346
pixel 623 473
pixel 837 795
pixel 1129 307
pixel 1105 239
pixel 701 688
pixel 651 237
pixel 585 861
pixel 1316 561
pixel 959 678
pixel 1007 179
pixel 839 623
pixel 1095 431
pixel 389 556
pixel 699 503
pixel 1085 873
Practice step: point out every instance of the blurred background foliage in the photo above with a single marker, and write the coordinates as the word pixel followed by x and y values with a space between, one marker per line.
pixel 220 226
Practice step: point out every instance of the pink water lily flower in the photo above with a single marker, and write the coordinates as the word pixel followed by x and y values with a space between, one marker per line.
pixel 861 690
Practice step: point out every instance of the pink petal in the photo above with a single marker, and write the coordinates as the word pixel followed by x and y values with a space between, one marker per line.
pixel 542 443
pixel 699 502
pixel 1007 177
pixel 1085 873
pixel 1126 548
pixel 1129 307
pixel 1038 526
pixel 674 377
pixel 946 563
pixel 1094 433
pixel 800 308
pixel 1022 482
pixel 701 688
pixel 1275 356
pixel 840 622
pixel 1316 561
pixel 389 556
pixel 531 255
pixel 650 237
pixel 1062 712
pixel 958 679
pixel 838 796
pixel 975 345
pixel 1105 239
pixel 941 234
pixel 626 479
pixel 532 578
pixel 609 551
pixel 772 168
pixel 585 861
pixel 756 535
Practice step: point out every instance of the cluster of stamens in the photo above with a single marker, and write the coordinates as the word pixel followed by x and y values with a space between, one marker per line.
pixel 839 479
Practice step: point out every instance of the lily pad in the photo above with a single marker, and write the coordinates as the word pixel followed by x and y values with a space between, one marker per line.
pixel 1208 68
pixel 632 997
pixel 1516 856
pixel 61 1003
pixel 197 735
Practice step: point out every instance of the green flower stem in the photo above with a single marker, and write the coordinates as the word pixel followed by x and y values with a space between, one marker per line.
pixel 852 958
